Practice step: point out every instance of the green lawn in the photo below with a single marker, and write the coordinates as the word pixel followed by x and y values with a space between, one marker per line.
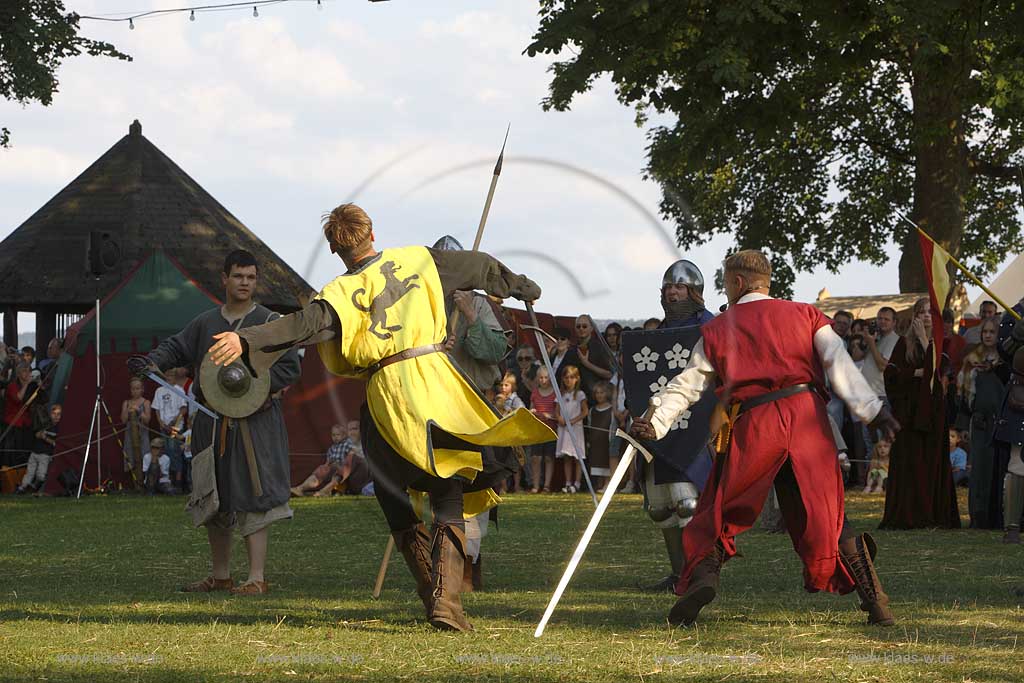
pixel 88 593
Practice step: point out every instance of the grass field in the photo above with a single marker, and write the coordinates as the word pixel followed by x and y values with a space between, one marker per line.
pixel 88 594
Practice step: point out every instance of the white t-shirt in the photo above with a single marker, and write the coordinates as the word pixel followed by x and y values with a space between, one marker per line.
pixel 168 404
pixel 874 376
pixel 163 462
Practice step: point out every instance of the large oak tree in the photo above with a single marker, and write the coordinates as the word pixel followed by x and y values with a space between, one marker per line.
pixel 802 127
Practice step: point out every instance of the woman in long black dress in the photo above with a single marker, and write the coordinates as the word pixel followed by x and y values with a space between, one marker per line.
pixel 982 385
pixel 919 492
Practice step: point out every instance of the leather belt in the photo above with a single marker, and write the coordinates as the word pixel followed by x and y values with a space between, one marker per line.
pixel 405 355
pixel 774 396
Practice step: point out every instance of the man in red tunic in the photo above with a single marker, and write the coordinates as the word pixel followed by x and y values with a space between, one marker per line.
pixel 769 359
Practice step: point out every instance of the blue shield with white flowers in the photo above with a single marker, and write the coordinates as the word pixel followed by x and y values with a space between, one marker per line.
pixel 650 359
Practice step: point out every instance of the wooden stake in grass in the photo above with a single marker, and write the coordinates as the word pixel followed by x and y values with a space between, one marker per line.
pixel 382 572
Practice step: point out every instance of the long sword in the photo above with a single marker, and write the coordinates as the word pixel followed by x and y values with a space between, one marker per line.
pixel 562 405
pixel 176 390
pixel 606 499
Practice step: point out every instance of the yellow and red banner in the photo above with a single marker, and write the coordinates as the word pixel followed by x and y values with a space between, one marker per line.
pixel 936 261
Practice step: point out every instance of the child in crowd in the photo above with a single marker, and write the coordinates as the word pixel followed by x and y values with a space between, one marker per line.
pixel 42 452
pixel 326 470
pixel 157 466
pixel 570 427
pixel 957 459
pixel 542 404
pixel 507 400
pixel 135 415
pixel 353 476
pixel 599 434
pixel 879 469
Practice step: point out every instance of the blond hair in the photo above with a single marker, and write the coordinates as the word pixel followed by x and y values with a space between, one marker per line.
pixel 347 228
pixel 511 379
pixel 751 264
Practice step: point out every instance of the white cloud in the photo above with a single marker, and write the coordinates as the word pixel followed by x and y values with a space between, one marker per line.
pixel 265 52
pixel 38 164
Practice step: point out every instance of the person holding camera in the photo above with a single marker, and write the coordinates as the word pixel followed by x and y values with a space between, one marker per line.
pixel 879 342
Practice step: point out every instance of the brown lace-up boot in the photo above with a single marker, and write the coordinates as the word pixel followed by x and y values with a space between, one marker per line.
pixel 414 544
pixel 448 556
pixel 857 555
pixel 702 589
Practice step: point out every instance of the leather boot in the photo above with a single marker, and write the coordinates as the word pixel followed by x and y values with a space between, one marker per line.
pixel 478 573
pixel 857 555
pixel 414 544
pixel 702 589
pixel 448 558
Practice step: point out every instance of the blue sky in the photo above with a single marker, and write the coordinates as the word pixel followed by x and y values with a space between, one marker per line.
pixel 284 116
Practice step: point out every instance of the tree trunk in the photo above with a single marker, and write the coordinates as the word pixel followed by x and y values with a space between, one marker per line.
pixel 942 175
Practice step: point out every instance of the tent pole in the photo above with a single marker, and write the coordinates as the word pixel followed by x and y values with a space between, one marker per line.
pixel 99 398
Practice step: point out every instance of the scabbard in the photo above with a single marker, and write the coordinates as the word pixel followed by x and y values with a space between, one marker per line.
pixel 250 457
pixel 724 434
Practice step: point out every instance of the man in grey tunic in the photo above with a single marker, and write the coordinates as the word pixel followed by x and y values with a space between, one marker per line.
pixel 240 507
pixel 476 344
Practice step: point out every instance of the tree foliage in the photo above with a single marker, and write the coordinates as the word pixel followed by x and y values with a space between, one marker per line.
pixel 803 126
pixel 35 37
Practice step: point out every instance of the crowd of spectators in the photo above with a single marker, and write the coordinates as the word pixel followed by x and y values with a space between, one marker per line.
pixel 585 362
pixel 948 407
pixel 153 433
pixel 29 424
pixel 947 411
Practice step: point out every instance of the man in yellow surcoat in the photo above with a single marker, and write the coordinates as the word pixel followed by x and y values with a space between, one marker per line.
pixel 425 426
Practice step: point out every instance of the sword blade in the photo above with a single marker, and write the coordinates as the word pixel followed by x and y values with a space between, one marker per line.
pixel 606 498
pixel 581 547
pixel 176 390
pixel 560 399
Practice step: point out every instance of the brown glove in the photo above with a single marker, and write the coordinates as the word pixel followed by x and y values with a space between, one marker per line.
pixel 526 289
pixel 885 423
pixel 643 429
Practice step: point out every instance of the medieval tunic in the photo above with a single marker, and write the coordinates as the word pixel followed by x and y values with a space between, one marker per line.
pixel 919 492
pixel 599 423
pixel 422 410
pixel 1008 436
pixel 269 435
pixel 981 410
pixel 761 345
pixel 479 346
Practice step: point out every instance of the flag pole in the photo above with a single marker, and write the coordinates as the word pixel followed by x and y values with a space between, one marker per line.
pixel 963 270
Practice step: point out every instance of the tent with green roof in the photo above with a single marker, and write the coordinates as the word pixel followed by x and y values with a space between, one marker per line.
pixel 156 300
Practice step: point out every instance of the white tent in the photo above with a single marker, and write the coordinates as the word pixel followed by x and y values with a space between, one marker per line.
pixel 1008 285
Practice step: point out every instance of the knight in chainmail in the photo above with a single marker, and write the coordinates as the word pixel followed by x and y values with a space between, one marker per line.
pixel 669 497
